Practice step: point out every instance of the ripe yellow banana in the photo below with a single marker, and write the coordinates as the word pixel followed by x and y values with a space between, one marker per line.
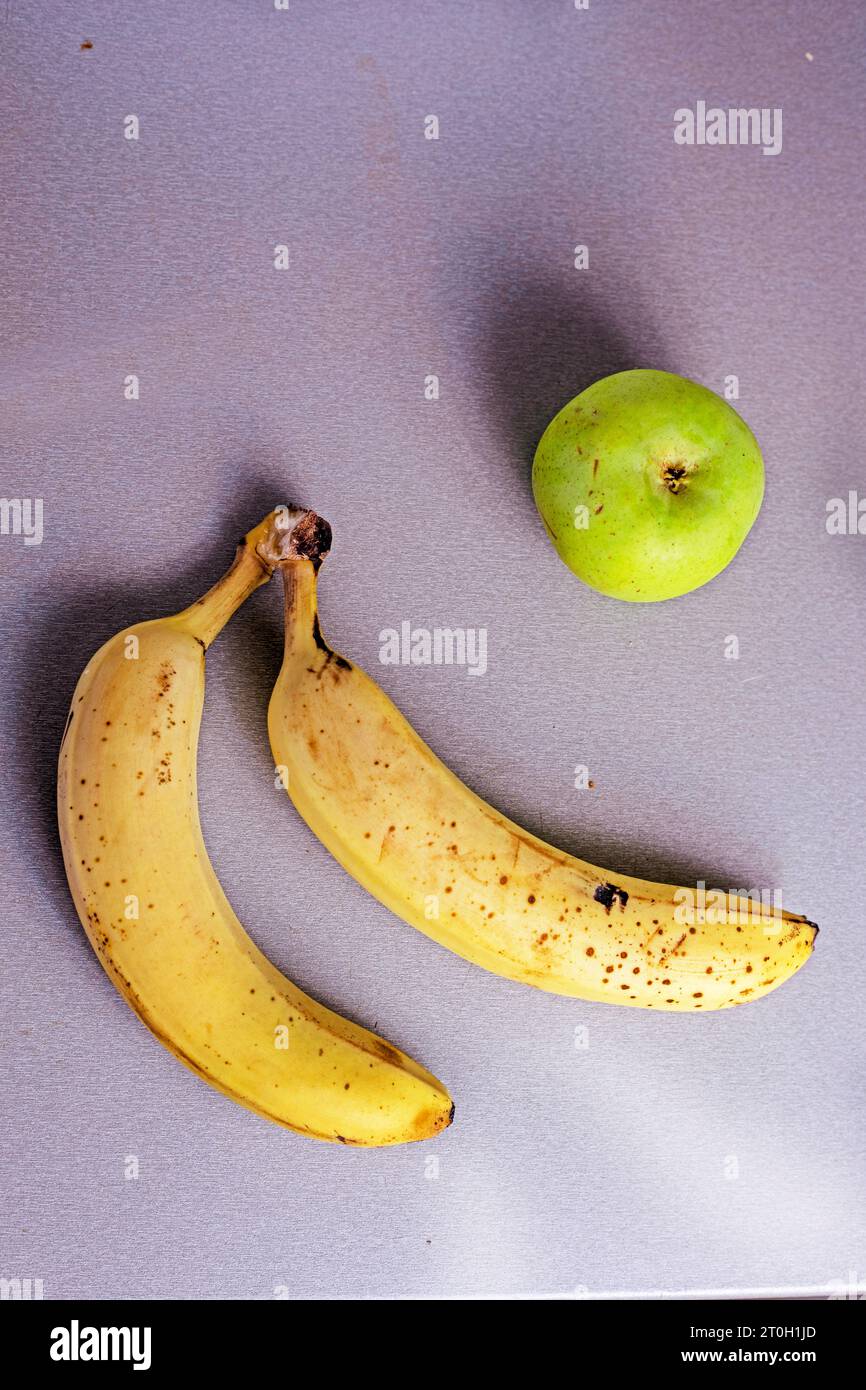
pixel 442 859
pixel 153 908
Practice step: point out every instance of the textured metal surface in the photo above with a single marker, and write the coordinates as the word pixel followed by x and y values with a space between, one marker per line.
pixel 674 1153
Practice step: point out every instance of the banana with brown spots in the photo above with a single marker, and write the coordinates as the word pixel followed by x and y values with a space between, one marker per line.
pixel 439 857
pixel 153 908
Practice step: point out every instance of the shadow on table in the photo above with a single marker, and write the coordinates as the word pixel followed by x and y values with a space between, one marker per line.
pixel 547 339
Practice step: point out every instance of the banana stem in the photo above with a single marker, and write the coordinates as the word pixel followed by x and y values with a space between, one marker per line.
pixel 300 560
pixel 254 563
pixel 285 535
pixel 302 619
pixel 205 618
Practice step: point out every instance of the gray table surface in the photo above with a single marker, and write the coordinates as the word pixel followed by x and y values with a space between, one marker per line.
pixel 675 1153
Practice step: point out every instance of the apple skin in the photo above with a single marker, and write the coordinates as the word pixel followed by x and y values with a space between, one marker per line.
pixel 670 477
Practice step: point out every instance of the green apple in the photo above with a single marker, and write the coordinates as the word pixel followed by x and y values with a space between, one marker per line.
pixel 648 485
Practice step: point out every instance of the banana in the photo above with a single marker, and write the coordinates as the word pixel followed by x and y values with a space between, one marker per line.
pixel 153 908
pixel 439 857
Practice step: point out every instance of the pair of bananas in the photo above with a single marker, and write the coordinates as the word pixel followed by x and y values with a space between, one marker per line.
pixel 396 818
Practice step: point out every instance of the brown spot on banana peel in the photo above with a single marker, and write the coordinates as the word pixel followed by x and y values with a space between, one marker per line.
pixel 795 924
pixel 428 1122
pixel 519 838
pixel 387 1052
pixel 605 894
pixel 673 950
pixel 339 661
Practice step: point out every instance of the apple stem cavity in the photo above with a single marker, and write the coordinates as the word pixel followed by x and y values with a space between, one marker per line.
pixel 673 476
